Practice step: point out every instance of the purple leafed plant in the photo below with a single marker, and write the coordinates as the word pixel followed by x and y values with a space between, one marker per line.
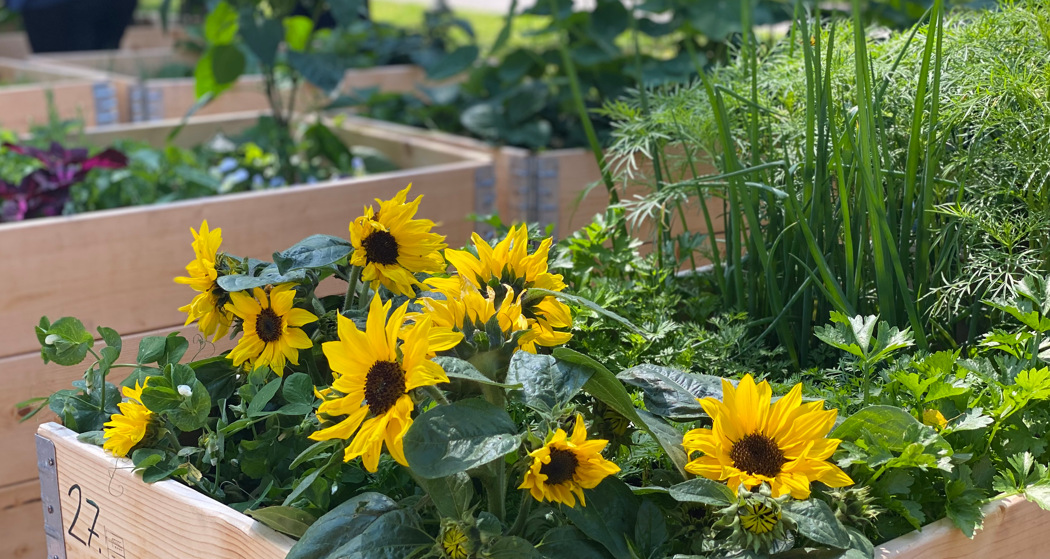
pixel 44 192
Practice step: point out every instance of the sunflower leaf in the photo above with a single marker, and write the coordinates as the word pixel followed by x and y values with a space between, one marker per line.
pixel 609 516
pixel 704 491
pixel 816 521
pixel 455 438
pixel 391 536
pixel 672 393
pixel 458 368
pixel 581 302
pixel 315 251
pixel 287 520
pixel 451 495
pixel 269 275
pixel 340 525
pixel 546 381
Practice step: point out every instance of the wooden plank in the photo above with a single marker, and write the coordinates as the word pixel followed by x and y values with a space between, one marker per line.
pixel 115 268
pixel 24 103
pixel 26 376
pixel 1013 528
pixel 15 44
pixel 165 520
pixel 21 521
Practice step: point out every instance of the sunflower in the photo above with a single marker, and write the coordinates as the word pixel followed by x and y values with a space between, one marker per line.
pixel 271 328
pixel 510 270
pixel 567 465
pixel 455 543
pixel 208 307
pixel 373 377
pixel 465 308
pixel 752 441
pixel 390 246
pixel 126 429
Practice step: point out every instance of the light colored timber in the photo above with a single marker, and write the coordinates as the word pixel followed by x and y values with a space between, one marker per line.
pixel 1013 528
pixel 115 267
pixel 21 521
pixel 23 100
pixel 165 520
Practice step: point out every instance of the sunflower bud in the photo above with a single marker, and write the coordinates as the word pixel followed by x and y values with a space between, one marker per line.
pixel 756 521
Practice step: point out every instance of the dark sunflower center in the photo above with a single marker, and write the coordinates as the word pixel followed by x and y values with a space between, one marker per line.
pixel 757 454
pixel 384 384
pixel 380 248
pixel 562 466
pixel 268 326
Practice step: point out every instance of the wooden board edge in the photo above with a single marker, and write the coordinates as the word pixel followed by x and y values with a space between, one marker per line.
pixel 215 515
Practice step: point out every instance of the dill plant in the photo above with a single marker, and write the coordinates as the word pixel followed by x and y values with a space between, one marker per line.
pixel 871 172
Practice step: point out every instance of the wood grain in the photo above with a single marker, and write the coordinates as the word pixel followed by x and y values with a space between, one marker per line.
pixel 1013 528
pixel 21 521
pixel 23 105
pixel 165 520
pixel 115 267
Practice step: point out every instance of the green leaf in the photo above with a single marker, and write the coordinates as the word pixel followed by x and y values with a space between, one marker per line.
pixel 112 338
pixel 449 439
pixel 220 28
pixel 1039 493
pixel 315 251
pixel 512 547
pixel 964 506
pixel 392 536
pixel 65 342
pixel 458 368
pixel 568 541
pixel 263 37
pixel 160 398
pixel 451 495
pixel 227 64
pixel 672 393
pixel 297 32
pixel 323 69
pixel 269 275
pixel 704 491
pixel 263 397
pixel 609 516
pixel 459 60
pixel 155 465
pixel 886 424
pixel 340 525
pixel 206 87
pixel 547 383
pixel 816 521
pixel 286 520
pixel 650 529
pixel 669 438
pixel 298 389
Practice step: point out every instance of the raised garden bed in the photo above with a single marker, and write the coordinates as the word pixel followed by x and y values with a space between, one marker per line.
pixel 86 489
pixel 98 250
pixel 76 93
pixel 148 92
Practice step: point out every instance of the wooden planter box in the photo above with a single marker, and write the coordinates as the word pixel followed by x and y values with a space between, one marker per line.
pixel 143 98
pixel 83 487
pixel 77 94
pixel 15 44
pixel 561 187
pixel 115 267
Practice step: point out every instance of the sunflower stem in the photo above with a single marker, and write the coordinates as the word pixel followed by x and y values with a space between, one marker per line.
pixel 523 514
pixel 362 298
pixel 436 394
pixel 496 489
pixel 351 287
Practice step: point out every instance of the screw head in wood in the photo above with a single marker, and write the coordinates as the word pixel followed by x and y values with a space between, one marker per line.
pixel 50 461
pixel 50 509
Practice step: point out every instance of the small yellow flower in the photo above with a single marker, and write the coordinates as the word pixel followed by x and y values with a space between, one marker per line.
pixel 272 335
pixel 752 441
pixel 390 246
pixel 126 429
pixel 373 377
pixel 565 466
pixel 511 271
pixel 464 304
pixel 935 419
pixel 208 307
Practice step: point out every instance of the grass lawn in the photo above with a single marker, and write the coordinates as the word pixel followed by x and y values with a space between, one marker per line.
pixel 487 25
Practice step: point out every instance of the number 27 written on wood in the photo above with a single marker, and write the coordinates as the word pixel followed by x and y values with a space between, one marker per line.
pixel 87 519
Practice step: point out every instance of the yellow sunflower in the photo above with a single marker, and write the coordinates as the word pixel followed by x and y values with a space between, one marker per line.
pixel 126 429
pixel 567 465
pixel 271 328
pixel 373 377
pixel 465 305
pixel 208 307
pixel 508 268
pixel 752 441
pixel 390 246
